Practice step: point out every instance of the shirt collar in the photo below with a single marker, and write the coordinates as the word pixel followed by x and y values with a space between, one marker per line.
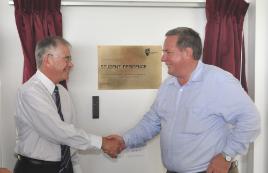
pixel 197 73
pixel 195 76
pixel 45 81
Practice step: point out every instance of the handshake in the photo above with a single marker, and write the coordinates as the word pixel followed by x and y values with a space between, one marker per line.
pixel 113 145
pixel 4 170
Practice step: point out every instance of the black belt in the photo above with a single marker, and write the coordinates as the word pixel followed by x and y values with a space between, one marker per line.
pixel 30 165
pixel 38 162
pixel 234 164
pixel 177 172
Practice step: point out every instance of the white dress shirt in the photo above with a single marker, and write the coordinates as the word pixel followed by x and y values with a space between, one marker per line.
pixel 40 131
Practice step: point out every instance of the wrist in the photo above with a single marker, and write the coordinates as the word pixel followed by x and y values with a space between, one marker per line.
pixel 227 157
pixel 104 140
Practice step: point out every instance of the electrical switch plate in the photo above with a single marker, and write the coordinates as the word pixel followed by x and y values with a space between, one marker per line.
pixel 95 107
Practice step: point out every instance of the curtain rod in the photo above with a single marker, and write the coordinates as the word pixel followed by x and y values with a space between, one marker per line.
pixel 130 3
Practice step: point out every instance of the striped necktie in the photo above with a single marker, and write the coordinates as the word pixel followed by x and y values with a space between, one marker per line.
pixel 66 164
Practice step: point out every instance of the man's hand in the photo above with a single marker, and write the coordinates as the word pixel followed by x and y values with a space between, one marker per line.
pixel 218 165
pixel 4 170
pixel 113 145
pixel 120 141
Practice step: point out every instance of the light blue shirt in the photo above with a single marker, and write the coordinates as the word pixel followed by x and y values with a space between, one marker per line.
pixel 208 115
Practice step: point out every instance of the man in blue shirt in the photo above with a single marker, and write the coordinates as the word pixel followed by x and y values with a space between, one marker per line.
pixel 204 116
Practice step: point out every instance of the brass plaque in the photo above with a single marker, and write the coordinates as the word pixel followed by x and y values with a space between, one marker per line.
pixel 129 67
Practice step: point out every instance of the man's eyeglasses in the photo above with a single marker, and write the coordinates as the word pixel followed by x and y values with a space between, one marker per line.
pixel 67 58
pixel 166 52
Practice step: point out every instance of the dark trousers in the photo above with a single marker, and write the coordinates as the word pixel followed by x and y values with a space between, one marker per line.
pixel 233 168
pixel 197 172
pixel 29 165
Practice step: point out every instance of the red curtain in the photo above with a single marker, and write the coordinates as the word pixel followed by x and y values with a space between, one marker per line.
pixel 35 20
pixel 224 42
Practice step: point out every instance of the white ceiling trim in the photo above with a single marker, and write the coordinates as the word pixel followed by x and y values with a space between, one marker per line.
pixel 137 3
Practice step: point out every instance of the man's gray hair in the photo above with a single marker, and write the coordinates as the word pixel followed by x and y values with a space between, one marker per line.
pixel 43 46
pixel 187 37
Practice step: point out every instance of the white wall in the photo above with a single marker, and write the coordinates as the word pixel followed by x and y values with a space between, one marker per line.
pixel 249 27
pixel 119 109
pixel 87 27
pixel 11 59
pixel 1 131
pixel 261 85
pixel 0 119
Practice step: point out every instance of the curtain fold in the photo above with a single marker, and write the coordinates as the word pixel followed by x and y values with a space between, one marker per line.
pixel 224 42
pixel 35 20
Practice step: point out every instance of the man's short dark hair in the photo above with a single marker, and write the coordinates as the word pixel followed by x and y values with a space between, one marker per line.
pixel 187 37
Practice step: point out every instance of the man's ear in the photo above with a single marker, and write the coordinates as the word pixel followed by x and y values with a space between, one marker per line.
pixel 47 61
pixel 188 52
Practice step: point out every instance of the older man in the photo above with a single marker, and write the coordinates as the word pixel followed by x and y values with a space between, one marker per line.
pixel 47 138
